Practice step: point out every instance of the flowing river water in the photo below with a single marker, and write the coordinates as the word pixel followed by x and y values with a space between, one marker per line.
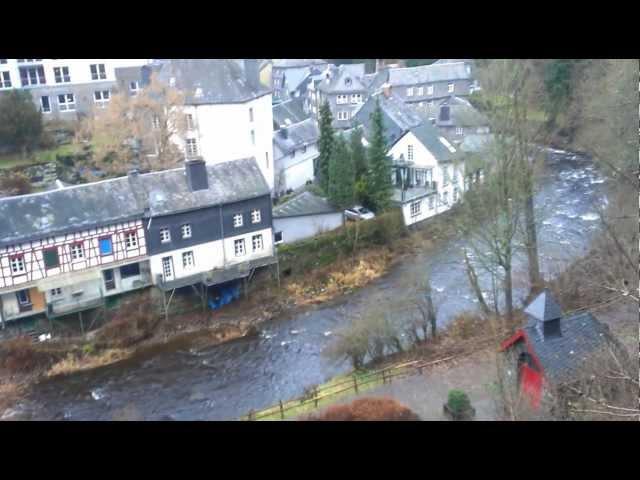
pixel 226 381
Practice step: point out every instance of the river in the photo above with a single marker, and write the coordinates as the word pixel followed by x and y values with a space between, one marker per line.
pixel 226 381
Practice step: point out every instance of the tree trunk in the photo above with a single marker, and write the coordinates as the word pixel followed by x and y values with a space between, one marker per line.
pixel 431 313
pixel 508 294
pixel 473 280
pixel 531 240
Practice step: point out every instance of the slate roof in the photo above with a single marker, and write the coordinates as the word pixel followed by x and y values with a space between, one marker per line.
pixel 303 204
pixel 39 215
pixel 461 112
pixel 221 81
pixel 431 139
pixel 544 307
pixel 437 72
pixel 397 117
pixel 563 356
pixel 167 192
pixel 298 135
pixel 289 112
pixel 475 142
pixel 342 75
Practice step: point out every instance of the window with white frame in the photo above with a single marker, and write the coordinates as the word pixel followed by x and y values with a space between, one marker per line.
pixel 356 98
pixel 410 92
pixel 192 147
pixel 77 251
pixel 253 137
pixel 238 246
pixel 277 238
pixel 255 216
pixel 61 74
pixel 66 102
pixel 343 115
pixel 342 99
pixel 237 220
pixel 410 153
pixel 156 122
pixel 415 208
pixel 101 98
pixel 134 87
pixel 451 87
pixel 17 264
pixel 459 130
pixel 131 239
pixel 5 80
pixel 45 106
pixel 420 91
pixel 187 260
pixel 98 71
pixel 189 119
pixel 32 76
pixel 55 292
pixel 256 240
pixel 430 90
pixel 251 114
pixel 165 235
pixel 186 230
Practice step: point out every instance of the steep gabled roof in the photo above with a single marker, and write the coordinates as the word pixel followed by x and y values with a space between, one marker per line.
pixel 344 78
pixel 36 216
pixel 434 142
pixel 207 81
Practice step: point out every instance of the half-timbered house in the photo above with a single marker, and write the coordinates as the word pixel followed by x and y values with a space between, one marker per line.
pixel 64 251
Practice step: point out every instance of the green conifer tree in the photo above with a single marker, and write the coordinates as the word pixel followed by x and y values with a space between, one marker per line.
pixel 325 146
pixel 379 184
pixel 341 175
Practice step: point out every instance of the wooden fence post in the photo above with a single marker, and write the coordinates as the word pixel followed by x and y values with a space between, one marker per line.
pixel 355 383
pixel 281 410
pixel 315 395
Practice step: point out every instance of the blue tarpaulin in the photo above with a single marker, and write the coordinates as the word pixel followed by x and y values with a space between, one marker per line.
pixel 224 295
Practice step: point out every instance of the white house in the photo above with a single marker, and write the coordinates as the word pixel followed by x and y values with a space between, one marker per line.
pixel 427 173
pixel 62 88
pixel 305 215
pixel 295 149
pixel 229 111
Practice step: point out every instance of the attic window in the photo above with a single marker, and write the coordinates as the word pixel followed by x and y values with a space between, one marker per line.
pixel 347 81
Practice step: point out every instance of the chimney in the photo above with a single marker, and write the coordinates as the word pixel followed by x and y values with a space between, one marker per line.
pixel 196 171
pixel 386 89
pixel 251 73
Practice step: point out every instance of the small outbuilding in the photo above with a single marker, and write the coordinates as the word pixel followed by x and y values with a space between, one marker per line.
pixel 552 349
pixel 304 216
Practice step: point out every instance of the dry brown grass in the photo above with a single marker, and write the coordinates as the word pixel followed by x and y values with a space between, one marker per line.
pixel 366 409
pixel 340 277
pixel 133 323
pixel 21 355
pixel 74 363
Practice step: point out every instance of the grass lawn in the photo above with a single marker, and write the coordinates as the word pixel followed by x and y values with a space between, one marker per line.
pixel 37 157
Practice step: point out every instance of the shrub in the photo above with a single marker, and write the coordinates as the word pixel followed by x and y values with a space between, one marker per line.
pixel 133 323
pixel 458 401
pixel 20 355
pixel 366 409
pixel 15 184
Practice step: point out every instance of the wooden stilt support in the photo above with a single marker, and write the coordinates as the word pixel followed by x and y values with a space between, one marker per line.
pixel 81 322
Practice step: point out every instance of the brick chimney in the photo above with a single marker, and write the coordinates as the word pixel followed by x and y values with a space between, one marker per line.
pixel 196 171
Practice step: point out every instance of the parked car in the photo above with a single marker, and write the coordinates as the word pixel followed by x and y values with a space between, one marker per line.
pixel 358 213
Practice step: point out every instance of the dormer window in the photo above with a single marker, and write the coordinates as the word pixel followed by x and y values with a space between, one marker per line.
pixel 237 220
pixel 165 235
pixel 347 81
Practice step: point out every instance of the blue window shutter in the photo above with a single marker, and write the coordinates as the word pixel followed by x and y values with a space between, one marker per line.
pixel 105 246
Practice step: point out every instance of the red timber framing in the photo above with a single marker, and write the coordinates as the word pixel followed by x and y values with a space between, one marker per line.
pixel 33 253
